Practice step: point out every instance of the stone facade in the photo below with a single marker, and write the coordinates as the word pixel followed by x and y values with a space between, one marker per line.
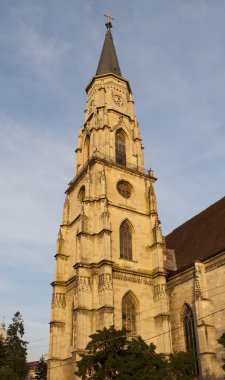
pixel 91 277
pixel 110 245
pixel 202 287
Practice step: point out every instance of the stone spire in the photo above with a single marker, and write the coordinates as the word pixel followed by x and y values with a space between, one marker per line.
pixel 108 62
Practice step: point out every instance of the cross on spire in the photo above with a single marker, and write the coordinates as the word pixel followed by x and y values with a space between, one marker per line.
pixel 109 18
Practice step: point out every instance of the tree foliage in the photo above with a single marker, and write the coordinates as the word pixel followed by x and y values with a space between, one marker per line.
pixel 7 373
pixel 182 365
pixel 221 341
pixel 2 351
pixel 111 355
pixel 105 351
pixel 16 347
pixel 41 369
pixel 142 362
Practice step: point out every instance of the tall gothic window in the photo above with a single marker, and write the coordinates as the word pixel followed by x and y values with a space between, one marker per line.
pixel 189 333
pixel 120 147
pixel 126 241
pixel 129 313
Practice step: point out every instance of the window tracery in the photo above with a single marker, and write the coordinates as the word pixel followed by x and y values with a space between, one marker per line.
pixel 189 333
pixel 120 148
pixel 129 311
pixel 126 241
pixel 124 188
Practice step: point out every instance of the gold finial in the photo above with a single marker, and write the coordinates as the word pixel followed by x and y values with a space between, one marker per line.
pixel 109 18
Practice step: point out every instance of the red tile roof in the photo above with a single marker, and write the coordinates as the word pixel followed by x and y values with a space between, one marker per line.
pixel 200 237
pixel 32 365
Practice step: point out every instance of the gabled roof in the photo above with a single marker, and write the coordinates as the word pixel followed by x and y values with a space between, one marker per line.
pixel 200 237
pixel 32 365
pixel 108 62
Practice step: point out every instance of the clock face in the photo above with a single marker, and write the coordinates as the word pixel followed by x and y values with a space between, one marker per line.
pixel 118 100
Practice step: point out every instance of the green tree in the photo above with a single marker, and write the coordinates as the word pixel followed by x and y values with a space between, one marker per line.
pixel 112 355
pixel 2 351
pixel 182 365
pixel 41 369
pixel 221 341
pixel 7 373
pixel 16 347
pixel 142 362
pixel 104 352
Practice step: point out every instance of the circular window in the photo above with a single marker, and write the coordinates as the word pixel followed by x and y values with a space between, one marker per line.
pixel 124 188
pixel 81 194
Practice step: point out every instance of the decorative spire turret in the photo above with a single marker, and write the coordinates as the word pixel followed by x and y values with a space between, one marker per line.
pixel 108 62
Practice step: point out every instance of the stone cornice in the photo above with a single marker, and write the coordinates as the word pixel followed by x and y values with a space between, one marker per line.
pixel 186 274
pixel 178 279
pixel 58 283
pixel 110 162
pixel 96 77
pixel 130 275
pixel 128 208
pixel 57 323
pixel 215 261
pixel 93 265
pixel 61 255
pixel 90 117
pixel 85 309
pixel 101 232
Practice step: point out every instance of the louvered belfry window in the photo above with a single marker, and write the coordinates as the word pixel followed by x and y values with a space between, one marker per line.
pixel 126 241
pixel 120 148
pixel 129 313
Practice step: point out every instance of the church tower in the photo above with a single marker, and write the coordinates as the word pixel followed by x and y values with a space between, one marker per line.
pixel 110 253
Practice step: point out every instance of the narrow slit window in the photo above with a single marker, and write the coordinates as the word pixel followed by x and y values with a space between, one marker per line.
pixel 86 148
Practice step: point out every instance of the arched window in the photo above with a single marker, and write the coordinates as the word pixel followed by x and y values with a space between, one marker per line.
pixel 120 147
pixel 126 241
pixel 86 148
pixel 129 313
pixel 81 194
pixel 189 333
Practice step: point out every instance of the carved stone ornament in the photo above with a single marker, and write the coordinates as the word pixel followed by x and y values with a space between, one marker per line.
pixel 159 292
pixel 132 278
pixel 198 293
pixel 83 283
pixel 59 300
pixel 105 281
pixel 91 106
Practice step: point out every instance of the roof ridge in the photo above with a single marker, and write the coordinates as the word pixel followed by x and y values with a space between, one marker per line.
pixel 196 215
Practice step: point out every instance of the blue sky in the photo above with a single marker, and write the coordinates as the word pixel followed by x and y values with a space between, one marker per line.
pixel 172 53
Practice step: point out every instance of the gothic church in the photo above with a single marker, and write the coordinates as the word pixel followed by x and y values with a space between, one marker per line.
pixel 113 266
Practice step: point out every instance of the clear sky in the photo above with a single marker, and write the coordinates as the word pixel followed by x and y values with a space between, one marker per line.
pixel 172 53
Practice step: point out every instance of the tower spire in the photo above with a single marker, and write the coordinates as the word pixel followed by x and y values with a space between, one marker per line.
pixel 108 62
